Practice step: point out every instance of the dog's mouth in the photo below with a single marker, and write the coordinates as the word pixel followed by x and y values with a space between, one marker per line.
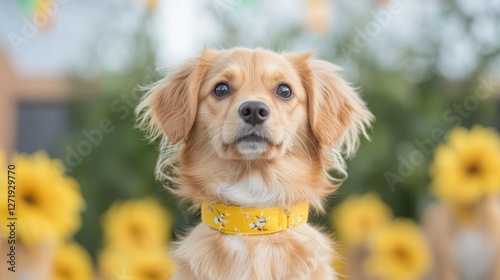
pixel 253 137
pixel 252 143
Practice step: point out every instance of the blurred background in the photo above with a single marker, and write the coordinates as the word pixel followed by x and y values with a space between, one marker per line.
pixel 71 71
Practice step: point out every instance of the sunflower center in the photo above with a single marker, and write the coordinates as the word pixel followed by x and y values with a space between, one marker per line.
pixel 137 234
pixel 473 169
pixel 152 275
pixel 30 199
pixel 402 255
pixel 365 224
pixel 64 273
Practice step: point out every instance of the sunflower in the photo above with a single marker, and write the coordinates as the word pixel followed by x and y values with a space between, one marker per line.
pixel 466 168
pixel 72 262
pixel 48 203
pixel 358 216
pixel 136 225
pixel 149 264
pixel 398 251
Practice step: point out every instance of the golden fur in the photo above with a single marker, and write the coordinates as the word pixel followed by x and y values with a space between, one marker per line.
pixel 307 136
pixel 444 229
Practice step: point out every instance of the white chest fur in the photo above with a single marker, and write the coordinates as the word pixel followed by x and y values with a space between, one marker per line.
pixel 474 254
pixel 213 255
pixel 250 191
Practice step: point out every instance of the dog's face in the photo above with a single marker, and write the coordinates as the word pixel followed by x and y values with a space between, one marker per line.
pixel 252 104
pixel 256 104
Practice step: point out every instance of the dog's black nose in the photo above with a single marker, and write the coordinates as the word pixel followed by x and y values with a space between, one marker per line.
pixel 254 112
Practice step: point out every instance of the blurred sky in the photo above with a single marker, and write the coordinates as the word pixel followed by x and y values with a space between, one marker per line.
pixel 181 28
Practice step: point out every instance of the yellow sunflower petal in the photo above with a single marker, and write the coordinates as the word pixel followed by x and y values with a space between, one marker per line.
pixel 398 251
pixel 141 265
pixel 358 216
pixel 136 225
pixel 71 261
pixel 465 168
pixel 47 201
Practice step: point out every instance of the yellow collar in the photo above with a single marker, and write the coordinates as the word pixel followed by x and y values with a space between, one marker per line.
pixel 252 221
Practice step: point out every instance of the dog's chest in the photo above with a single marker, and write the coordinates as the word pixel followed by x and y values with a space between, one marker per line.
pixel 212 255
pixel 474 253
pixel 250 191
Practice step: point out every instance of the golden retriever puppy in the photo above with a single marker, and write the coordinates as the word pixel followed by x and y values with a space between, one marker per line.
pixel 465 241
pixel 252 131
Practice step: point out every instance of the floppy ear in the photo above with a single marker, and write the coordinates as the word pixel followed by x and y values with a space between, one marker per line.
pixel 171 105
pixel 337 114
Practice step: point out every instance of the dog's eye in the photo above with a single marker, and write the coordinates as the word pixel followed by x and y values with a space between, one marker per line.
pixel 221 90
pixel 284 92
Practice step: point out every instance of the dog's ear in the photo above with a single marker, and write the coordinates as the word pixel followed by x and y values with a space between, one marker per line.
pixel 337 114
pixel 171 105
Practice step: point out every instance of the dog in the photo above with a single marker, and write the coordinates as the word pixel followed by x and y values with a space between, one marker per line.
pixel 465 240
pixel 252 137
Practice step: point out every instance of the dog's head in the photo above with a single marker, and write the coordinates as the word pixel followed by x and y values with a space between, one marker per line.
pixel 256 105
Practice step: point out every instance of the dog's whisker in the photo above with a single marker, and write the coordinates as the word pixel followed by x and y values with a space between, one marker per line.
pixel 303 147
pixel 197 143
pixel 310 141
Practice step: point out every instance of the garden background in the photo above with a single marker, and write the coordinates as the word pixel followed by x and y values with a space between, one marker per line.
pixel 71 74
